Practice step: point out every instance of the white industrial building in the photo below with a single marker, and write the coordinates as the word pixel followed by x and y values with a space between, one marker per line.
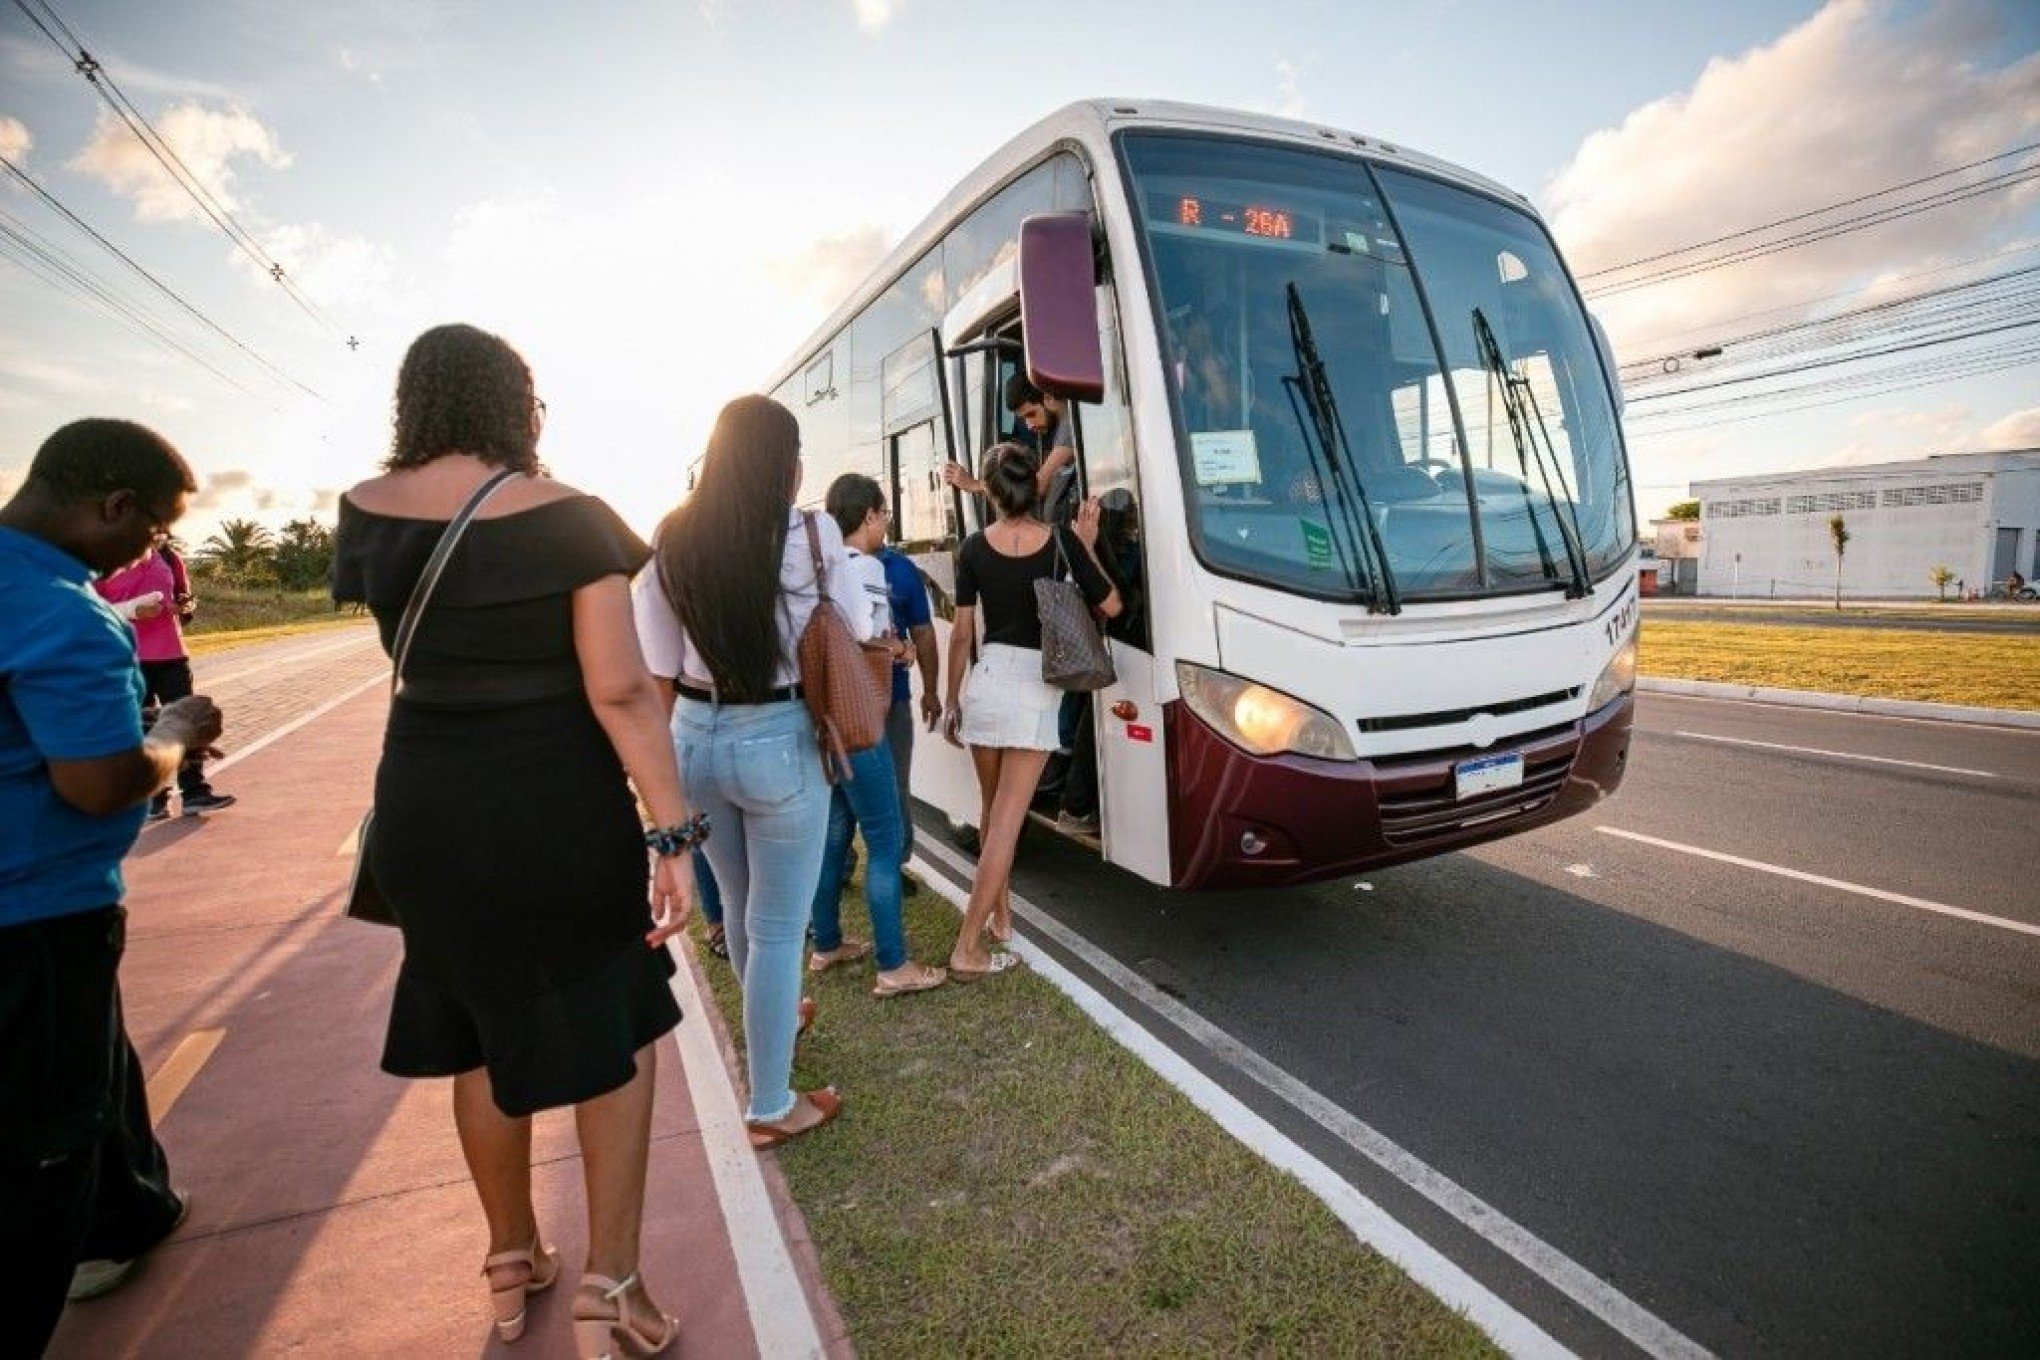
pixel 1977 514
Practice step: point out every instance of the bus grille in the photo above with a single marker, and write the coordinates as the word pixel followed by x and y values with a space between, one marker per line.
pixel 1449 717
pixel 1416 793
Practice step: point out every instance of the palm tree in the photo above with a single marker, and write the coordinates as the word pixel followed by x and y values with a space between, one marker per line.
pixel 1839 532
pixel 1941 576
pixel 240 549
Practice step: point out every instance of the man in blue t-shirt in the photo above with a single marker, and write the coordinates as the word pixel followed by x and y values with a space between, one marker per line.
pixel 81 1173
pixel 912 621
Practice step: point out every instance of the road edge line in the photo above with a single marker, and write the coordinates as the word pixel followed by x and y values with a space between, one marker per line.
pixel 1509 1328
pixel 782 1316
pixel 1841 703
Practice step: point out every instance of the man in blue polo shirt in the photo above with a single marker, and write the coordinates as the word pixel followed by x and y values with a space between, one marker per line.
pixel 81 1173
pixel 908 593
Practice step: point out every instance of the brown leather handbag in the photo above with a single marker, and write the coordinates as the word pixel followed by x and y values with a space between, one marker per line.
pixel 843 695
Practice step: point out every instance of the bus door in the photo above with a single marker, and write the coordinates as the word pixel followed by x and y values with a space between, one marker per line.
pixel 914 418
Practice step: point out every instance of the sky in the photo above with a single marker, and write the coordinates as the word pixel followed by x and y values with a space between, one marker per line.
pixel 656 202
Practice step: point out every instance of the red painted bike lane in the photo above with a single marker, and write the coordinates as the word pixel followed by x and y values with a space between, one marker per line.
pixel 331 1213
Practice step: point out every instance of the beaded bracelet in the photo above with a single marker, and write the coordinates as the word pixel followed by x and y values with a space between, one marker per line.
pixel 667 841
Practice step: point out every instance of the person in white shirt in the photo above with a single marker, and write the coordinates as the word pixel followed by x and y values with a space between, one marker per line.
pixel 720 610
pixel 870 799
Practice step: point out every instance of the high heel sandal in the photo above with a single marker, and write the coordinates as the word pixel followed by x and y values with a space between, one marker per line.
pixel 507 1301
pixel 599 1338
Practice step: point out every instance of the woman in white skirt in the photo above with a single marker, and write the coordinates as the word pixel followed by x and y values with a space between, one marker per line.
pixel 1004 711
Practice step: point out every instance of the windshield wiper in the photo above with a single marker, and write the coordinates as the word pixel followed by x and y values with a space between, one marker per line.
pixel 1315 390
pixel 1520 404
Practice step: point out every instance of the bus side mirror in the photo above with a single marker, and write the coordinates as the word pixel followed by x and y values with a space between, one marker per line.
pixel 1058 306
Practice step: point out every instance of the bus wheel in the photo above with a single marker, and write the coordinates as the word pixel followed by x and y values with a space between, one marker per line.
pixel 964 838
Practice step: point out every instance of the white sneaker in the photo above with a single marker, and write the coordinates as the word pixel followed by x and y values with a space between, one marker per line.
pixel 90 1279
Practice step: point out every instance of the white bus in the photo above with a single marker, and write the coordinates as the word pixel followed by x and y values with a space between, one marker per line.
pixel 1358 445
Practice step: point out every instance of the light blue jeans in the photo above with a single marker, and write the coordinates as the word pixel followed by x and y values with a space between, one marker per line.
pixel 870 801
pixel 754 769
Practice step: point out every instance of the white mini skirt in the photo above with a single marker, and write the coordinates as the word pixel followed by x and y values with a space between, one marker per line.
pixel 1007 704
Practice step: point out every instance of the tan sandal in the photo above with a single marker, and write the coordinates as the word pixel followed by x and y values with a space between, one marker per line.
pixel 507 1301
pixel 601 1338
pixel 821 961
pixel 766 1136
pixel 926 979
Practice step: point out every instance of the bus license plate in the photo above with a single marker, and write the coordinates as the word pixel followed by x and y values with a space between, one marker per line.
pixel 1486 775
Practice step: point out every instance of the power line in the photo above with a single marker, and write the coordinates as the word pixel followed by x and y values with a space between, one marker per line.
pixel 1879 217
pixel 153 281
pixel 42 260
pixel 1971 334
pixel 2016 361
pixel 1815 323
pixel 1945 366
pixel 166 156
pixel 1801 217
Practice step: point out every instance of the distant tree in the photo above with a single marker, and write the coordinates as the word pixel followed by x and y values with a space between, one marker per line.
pixel 1838 531
pixel 1683 510
pixel 241 553
pixel 1941 576
pixel 303 555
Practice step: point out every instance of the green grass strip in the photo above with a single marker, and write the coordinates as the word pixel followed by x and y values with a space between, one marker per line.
pixel 1993 670
pixel 1006 1180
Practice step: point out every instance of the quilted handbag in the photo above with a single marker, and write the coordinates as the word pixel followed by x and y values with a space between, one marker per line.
pixel 365 900
pixel 844 697
pixel 1073 652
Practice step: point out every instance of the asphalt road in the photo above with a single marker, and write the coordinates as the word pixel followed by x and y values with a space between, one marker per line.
pixel 1786 1117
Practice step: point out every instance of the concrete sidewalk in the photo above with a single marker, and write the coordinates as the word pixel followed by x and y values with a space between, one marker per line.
pixel 331 1212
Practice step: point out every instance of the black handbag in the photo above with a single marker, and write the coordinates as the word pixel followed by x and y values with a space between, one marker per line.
pixel 1073 652
pixel 365 900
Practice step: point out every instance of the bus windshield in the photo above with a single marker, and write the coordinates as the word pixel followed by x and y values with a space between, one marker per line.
pixel 1337 438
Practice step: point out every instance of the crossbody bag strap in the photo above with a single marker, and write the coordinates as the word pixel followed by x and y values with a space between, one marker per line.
pixel 814 543
pixel 435 566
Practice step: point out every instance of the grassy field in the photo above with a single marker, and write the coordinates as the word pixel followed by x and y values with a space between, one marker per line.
pixel 230 617
pixel 1991 670
pixel 1006 1180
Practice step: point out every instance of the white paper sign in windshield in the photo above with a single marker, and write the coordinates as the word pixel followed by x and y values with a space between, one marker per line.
pixel 1225 457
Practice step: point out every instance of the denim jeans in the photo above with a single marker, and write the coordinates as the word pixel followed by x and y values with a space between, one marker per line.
pixel 899 739
pixel 869 800
pixel 754 769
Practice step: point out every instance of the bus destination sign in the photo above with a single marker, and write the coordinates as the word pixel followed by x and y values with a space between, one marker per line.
pixel 1259 220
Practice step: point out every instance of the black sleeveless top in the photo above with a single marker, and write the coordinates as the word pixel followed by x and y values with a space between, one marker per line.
pixel 499 629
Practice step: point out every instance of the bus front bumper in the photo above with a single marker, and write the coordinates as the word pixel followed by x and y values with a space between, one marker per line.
pixel 1247 821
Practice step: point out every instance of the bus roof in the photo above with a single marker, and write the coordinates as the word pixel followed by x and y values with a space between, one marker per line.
pixel 1090 122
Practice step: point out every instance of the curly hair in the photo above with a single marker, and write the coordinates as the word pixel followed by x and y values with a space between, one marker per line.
pixel 463 390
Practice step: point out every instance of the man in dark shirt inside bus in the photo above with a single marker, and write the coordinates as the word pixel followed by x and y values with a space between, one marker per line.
pixel 1047 420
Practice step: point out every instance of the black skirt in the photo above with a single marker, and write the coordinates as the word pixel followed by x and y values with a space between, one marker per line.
pixel 509 847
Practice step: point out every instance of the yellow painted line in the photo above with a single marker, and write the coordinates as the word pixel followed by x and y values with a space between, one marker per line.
pixel 176 1074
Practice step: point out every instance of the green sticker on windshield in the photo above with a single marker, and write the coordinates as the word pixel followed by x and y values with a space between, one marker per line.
pixel 1317 545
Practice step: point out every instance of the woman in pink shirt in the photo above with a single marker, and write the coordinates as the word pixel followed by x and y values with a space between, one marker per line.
pixel 154 595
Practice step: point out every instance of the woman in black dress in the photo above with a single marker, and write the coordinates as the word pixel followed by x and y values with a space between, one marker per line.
pixel 506 840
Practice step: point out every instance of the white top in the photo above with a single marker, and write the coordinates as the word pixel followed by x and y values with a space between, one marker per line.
pixel 670 653
pixel 869 573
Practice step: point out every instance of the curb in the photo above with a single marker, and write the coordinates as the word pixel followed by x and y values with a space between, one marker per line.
pixel 1843 703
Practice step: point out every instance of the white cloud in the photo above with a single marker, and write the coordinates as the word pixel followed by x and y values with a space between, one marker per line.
pixel 220 488
pixel 14 139
pixel 334 271
pixel 1849 102
pixel 2019 430
pixel 1288 88
pixel 873 15
pixel 828 268
pixel 208 141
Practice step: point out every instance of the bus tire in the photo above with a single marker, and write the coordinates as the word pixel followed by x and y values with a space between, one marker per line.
pixel 964 837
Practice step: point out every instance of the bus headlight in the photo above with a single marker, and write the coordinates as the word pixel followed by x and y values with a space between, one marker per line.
pixel 1617 678
pixel 1261 720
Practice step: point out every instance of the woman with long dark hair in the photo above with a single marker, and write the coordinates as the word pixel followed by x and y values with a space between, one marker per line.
pixel 720 611
pixel 506 838
pixel 1004 711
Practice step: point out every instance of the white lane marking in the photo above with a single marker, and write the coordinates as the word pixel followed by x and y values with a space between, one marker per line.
pixel 271 664
pixel 1838 755
pixel 1423 1262
pixel 1581 871
pixel 1661 696
pixel 1917 903
pixel 782 1321
pixel 233 758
